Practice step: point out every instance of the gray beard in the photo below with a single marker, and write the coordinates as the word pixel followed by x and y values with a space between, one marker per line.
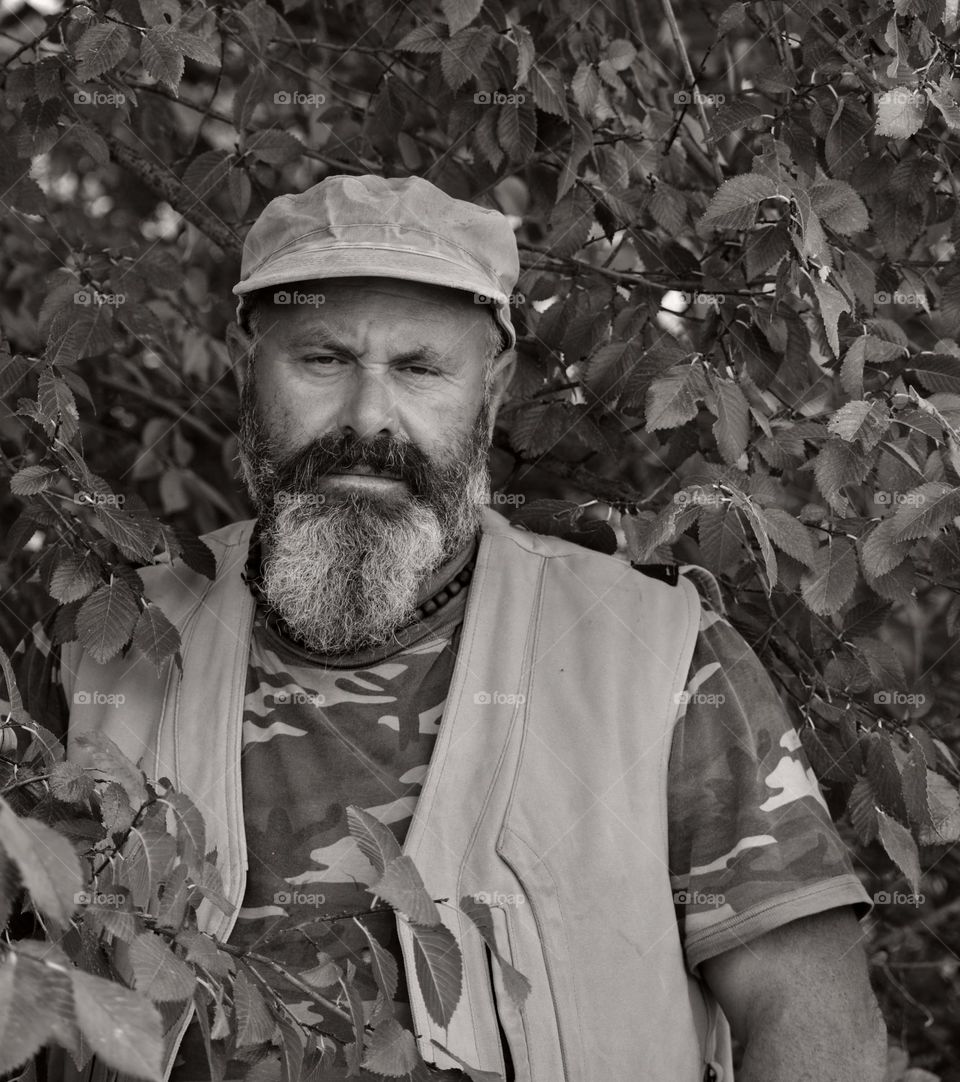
pixel 343 570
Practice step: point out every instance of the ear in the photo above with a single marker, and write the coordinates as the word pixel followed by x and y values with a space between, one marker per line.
pixel 503 365
pixel 239 347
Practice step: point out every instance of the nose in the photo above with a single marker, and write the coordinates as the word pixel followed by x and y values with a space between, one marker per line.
pixel 369 407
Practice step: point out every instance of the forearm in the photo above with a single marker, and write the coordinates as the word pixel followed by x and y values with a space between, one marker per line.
pixel 789 1047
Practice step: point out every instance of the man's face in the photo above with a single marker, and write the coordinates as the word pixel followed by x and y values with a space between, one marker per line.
pixel 365 425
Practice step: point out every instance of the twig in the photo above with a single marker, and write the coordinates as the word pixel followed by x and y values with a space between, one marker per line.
pixel 692 83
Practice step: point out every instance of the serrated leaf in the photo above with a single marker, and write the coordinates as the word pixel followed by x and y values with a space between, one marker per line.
pixel 674 399
pixel 35 1004
pixel 439 969
pixel 765 248
pixel 463 55
pixel 789 534
pixel 376 841
pixel 191 831
pixel 402 887
pixel 937 371
pixel 382 963
pixel 516 984
pixel 944 804
pixel 123 1028
pixel 95 750
pixel 32 479
pixel 900 112
pixel 570 223
pixel 732 427
pixel 75 577
pixel 473 1073
pixel 157 972
pixel 70 783
pixel 148 855
pixel 161 57
pixel 832 304
pixel 106 620
pixel 901 848
pixel 254 1022
pixel 391 1050
pixel 135 535
pixel 863 811
pixel 101 48
pixel 274 147
pixel 585 85
pixel 155 636
pixel 881 552
pixel 830 583
pixel 196 47
pixel 548 88
pixel 460 13
pixel 735 203
pixel 423 38
pixel 861 420
pixel 839 207
pixel 925 510
pixel 837 465
pixel 48 866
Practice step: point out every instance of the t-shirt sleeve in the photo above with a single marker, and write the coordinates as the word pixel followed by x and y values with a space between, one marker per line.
pixel 752 844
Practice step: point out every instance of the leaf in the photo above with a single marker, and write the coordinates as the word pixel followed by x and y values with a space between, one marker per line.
pixel 439 969
pixel 382 963
pixel 423 38
pixel 196 47
pixel 673 399
pixel 274 147
pixel 70 783
pixel 473 1073
pixel 460 13
pixel 839 207
pixel 937 371
pixel 402 887
pixel 832 305
pixel 136 535
pixel 585 86
pixel 881 552
pixel 32 479
pixel 863 811
pixel 570 223
pixel 48 866
pixel 837 465
pixel 155 636
pixel 735 203
pixel 376 841
pixel 732 427
pixel 900 112
pixel 901 848
pixel 789 534
pixel 157 972
pixel 122 1027
pixel 925 510
pixel 829 585
pixel 98 752
pixel 148 854
pixel 861 420
pixel 35 1003
pixel 106 620
pixel 254 1022
pixel 101 48
pixel 161 57
pixel 765 248
pixel 75 577
pixel 549 91
pixel 391 1050
pixel 516 984
pixel 463 55
pixel 191 831
pixel 944 803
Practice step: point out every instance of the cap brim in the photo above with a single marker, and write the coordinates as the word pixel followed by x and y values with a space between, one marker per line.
pixel 362 261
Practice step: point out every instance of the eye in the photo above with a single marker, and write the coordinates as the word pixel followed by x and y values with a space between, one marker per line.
pixel 418 370
pixel 324 359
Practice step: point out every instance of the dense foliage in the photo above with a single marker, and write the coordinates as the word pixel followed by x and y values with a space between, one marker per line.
pixel 738 330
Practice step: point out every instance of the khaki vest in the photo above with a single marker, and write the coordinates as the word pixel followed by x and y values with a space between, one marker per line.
pixel 546 792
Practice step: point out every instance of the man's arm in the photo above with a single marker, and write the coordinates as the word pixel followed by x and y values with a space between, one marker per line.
pixel 799 1000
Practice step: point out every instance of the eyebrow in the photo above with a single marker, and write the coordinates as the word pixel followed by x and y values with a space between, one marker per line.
pixel 327 341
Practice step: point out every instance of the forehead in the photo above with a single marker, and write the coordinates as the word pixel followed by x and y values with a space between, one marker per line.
pixel 348 307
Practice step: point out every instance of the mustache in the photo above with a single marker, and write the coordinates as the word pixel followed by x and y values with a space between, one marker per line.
pixel 336 452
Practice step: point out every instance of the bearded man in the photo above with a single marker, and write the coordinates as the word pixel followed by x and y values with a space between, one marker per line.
pixel 594 753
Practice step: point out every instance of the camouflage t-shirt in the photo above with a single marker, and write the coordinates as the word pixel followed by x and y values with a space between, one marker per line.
pixel 751 844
